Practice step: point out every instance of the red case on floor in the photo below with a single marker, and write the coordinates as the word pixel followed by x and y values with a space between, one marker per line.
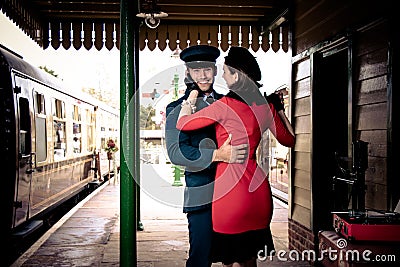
pixel 376 230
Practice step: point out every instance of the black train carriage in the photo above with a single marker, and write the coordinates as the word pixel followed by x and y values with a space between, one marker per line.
pixel 48 138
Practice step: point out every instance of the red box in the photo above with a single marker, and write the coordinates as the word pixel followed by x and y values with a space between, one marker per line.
pixel 373 229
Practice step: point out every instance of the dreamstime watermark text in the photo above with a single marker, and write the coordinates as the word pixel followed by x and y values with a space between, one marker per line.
pixel 326 252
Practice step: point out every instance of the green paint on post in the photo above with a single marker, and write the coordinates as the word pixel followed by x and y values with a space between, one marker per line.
pixel 129 49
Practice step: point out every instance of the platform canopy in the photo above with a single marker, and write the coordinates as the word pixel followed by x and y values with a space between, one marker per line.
pixel 261 24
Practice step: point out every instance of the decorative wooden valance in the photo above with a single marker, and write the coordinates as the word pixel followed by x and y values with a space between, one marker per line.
pixel 171 37
pixel 81 34
pixel 91 24
pixel 181 36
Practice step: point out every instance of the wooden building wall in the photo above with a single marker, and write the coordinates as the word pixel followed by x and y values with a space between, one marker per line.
pixel 371 106
pixel 359 33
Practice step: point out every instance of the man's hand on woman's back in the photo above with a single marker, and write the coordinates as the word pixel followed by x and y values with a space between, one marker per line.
pixel 231 154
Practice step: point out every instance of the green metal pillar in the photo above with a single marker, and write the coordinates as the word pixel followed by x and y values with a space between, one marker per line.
pixel 137 172
pixel 129 50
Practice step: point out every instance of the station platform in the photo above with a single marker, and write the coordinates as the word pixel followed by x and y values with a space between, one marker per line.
pixel 88 235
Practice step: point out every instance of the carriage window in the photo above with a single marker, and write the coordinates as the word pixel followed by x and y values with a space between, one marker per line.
pixel 59 140
pixel 40 104
pixel 24 127
pixel 90 119
pixel 76 115
pixel 41 139
pixel 76 130
pixel 77 145
pixel 59 108
pixel 40 126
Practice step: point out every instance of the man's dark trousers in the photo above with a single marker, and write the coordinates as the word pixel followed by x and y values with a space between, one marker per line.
pixel 200 234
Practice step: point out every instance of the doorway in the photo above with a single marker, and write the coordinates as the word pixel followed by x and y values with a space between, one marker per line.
pixel 332 128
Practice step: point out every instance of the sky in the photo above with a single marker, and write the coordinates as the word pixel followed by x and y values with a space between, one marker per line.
pixel 101 70
pixel 82 68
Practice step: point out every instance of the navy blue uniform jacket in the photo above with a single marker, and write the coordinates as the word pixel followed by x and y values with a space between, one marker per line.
pixel 193 150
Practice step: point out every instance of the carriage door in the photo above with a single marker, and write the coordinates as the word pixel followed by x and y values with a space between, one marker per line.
pixel 26 156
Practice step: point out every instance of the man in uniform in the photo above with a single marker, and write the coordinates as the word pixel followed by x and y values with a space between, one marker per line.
pixel 197 152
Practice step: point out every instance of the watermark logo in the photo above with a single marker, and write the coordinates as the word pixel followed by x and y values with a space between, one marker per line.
pixel 326 252
pixel 157 93
pixel 341 243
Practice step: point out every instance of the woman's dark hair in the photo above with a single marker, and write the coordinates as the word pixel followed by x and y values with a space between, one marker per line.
pixel 241 59
pixel 245 89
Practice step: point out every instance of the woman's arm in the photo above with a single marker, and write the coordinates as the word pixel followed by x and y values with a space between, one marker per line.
pixel 282 129
pixel 179 146
pixel 286 121
pixel 188 106
pixel 205 117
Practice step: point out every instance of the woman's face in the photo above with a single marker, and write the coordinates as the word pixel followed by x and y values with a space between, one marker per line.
pixel 230 78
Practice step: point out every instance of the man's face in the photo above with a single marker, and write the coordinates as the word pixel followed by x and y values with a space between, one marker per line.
pixel 204 77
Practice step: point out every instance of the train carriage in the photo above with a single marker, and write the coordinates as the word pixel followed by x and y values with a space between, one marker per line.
pixel 49 137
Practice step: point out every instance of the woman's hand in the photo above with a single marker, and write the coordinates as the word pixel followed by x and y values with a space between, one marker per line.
pixel 276 100
pixel 193 96
pixel 188 106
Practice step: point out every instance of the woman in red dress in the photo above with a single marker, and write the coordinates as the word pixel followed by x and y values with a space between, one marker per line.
pixel 242 202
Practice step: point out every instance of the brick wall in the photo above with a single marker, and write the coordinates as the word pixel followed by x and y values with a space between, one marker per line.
pixel 300 237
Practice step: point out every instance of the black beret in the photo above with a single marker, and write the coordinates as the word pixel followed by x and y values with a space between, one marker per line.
pixel 199 53
pixel 241 59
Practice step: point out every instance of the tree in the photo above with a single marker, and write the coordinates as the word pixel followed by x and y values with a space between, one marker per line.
pixel 51 72
pixel 146 115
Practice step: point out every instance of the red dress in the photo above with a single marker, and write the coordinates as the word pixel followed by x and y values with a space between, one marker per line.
pixel 242 198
